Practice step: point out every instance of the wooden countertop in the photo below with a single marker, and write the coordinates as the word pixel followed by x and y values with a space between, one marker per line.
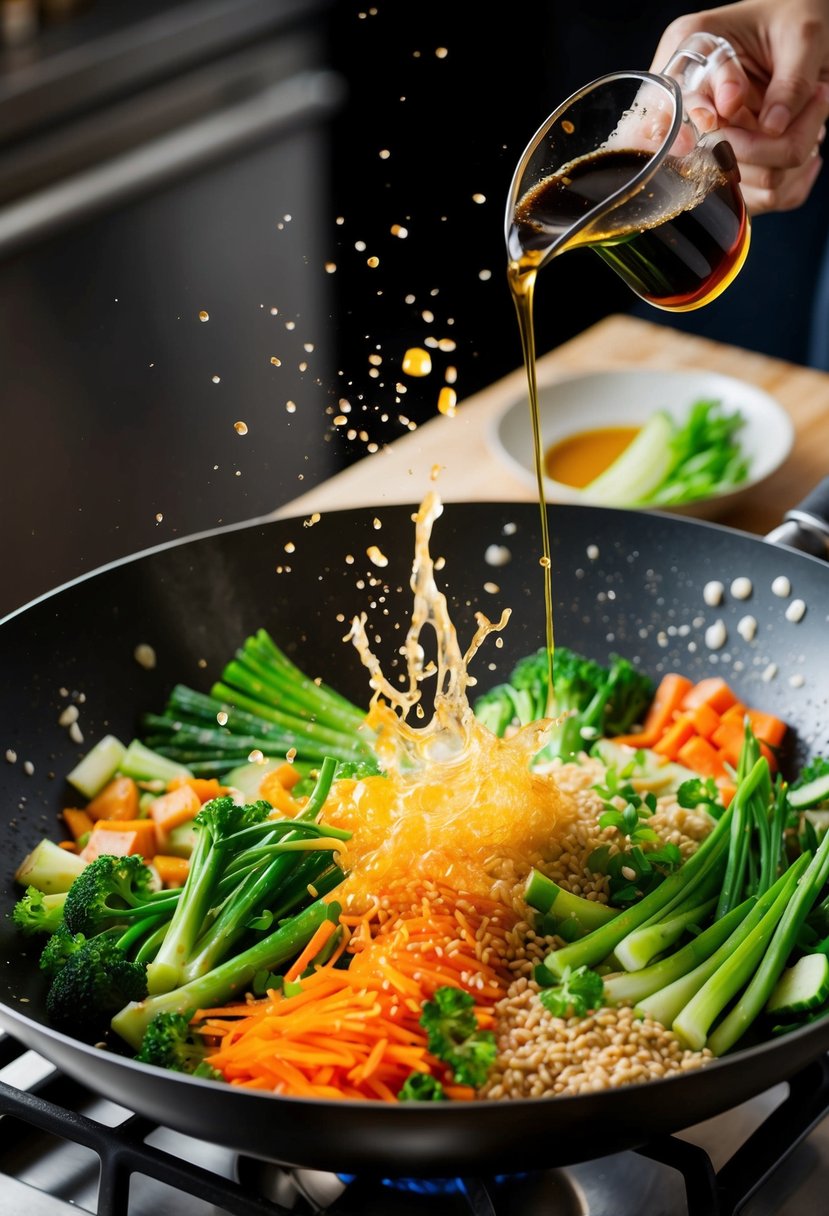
pixel 471 472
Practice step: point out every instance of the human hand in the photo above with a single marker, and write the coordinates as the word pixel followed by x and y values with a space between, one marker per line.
pixel 773 101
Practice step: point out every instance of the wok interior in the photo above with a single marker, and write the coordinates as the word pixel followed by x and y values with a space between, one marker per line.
pixel 624 582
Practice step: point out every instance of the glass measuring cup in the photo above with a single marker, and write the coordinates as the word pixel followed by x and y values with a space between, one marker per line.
pixel 621 167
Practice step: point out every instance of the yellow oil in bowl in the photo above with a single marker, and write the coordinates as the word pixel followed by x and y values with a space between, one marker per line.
pixel 581 457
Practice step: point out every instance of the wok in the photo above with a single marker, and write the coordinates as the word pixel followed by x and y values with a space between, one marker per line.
pixel 194 601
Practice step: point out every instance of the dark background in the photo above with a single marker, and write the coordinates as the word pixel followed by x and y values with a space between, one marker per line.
pixel 111 416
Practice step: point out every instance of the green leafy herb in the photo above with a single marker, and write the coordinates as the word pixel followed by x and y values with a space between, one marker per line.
pixel 450 1022
pixel 699 791
pixel 633 871
pixel 575 994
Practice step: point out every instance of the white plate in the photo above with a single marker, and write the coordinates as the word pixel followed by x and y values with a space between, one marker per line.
pixel 621 398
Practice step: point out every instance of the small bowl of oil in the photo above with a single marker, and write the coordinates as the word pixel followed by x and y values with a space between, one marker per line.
pixel 590 422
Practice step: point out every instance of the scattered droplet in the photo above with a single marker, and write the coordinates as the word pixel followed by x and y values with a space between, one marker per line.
pixel 592 551
pixel 241 428
pixel 781 587
pixel 497 555
pixel 447 401
pixel 216 379
pixel 797 680
pixel 795 611
pixel 417 362
pixel 712 593
pixel 275 361
pixel 376 556
pixel 741 588
pixel 256 757
pixel 221 717
pixel 716 635
pixel 159 517
pixel 747 628
pixel 330 267
pixel 145 656
pixel 478 198
pixel 204 316
pixel 491 588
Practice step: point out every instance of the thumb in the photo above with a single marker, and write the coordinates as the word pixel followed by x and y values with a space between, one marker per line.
pixel 797 61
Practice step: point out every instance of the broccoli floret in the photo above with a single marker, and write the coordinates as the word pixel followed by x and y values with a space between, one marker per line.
pixel 422 1087
pixel 590 700
pixel 169 1042
pixel 93 983
pixel 593 701
pixel 112 891
pixel 450 1022
pixel 60 946
pixel 38 913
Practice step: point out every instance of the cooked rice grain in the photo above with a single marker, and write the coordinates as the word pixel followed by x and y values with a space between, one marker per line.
pixel 541 1056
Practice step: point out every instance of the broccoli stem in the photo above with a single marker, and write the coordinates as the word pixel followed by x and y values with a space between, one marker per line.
pixel 695 1019
pixel 603 941
pixel 737 1021
pixel 259 886
pixel 223 982
pixel 636 985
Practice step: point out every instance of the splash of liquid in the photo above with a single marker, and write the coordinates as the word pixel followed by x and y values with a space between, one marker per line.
pixel 456 802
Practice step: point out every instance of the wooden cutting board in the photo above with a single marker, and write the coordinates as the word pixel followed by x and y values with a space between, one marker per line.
pixel 456 449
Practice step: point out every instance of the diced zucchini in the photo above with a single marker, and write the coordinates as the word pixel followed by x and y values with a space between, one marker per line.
pixel 248 777
pixel 180 840
pixel 810 794
pixel 98 766
pixel 655 773
pixel 49 868
pixel 142 764
pixel 801 988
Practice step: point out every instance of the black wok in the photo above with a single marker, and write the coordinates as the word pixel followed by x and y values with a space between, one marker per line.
pixel 641 595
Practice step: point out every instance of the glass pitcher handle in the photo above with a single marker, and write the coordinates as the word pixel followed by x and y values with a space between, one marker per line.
pixel 691 66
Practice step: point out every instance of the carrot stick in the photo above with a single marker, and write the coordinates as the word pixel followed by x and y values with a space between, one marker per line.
pixel 312 949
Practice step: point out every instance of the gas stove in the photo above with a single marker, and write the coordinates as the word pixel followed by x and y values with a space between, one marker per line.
pixel 64 1150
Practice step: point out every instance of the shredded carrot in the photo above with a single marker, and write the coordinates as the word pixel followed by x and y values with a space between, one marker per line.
pixel 303 960
pixel 356 1033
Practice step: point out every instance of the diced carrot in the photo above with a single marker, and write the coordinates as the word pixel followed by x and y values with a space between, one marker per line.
pixel 767 727
pixel 205 787
pixel 672 739
pixel 288 775
pixel 705 720
pixel 124 835
pixel 117 800
pixel 727 791
pixel 78 822
pixel 274 792
pixel 736 713
pixel 117 843
pixel 699 756
pixel 667 699
pixel 169 810
pixel 728 738
pixel 711 691
pixel 171 870
pixel 69 845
